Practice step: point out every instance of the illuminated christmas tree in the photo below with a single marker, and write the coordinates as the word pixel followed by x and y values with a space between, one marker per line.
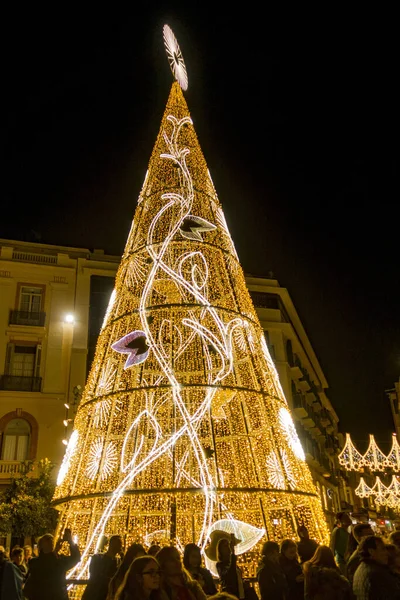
pixel 183 426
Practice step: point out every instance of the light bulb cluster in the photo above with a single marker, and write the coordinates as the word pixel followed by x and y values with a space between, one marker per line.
pixel 183 421
pixel 374 459
pixel 382 494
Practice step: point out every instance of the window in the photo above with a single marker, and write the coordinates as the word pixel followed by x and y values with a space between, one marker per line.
pixel 16 440
pixel 23 360
pixel 30 299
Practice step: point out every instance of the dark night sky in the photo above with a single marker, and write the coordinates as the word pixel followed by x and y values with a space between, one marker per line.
pixel 297 115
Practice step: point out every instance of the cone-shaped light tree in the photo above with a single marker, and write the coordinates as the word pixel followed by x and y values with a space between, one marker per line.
pixel 183 426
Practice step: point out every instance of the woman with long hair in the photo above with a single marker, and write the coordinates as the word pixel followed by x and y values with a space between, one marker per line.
pixel 229 573
pixel 323 579
pixel 192 563
pixel 142 581
pixel 177 582
pixel 134 551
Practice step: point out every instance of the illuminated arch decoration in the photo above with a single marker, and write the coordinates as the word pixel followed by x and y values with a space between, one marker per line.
pixel 199 415
pixel 352 460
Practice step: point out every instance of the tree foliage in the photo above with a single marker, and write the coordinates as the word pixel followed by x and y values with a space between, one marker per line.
pixel 25 506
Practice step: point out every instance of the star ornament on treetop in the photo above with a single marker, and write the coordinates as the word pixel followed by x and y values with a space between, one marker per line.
pixel 134 344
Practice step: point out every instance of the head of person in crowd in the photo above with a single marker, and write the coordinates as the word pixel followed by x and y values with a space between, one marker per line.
pixel 302 532
pixel 222 596
pixel 133 552
pixel 224 550
pixel 115 545
pixel 393 558
pixel 154 548
pixel 394 538
pixel 289 550
pixel 142 580
pixel 343 520
pixel 191 557
pixel 372 548
pixel 170 563
pixel 270 551
pixel 27 553
pixel 46 544
pixel 17 555
pixel 362 530
pixel 323 557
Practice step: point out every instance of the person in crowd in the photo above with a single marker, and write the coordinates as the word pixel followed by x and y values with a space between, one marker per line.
pixel 229 573
pixel 192 563
pixel 373 580
pixel 394 559
pixel 46 573
pixel 142 581
pixel 178 584
pixel 339 540
pixel 322 577
pixel 133 551
pixel 222 596
pixel 394 538
pixel 154 548
pixel 270 576
pixel 17 558
pixel 102 568
pixel 10 579
pixel 360 531
pixel 28 554
pixel 305 546
pixel 289 562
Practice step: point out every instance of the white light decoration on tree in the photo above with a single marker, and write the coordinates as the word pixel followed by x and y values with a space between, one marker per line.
pixel 175 57
pixel 93 464
pixel 291 433
pixel 275 472
pixel 69 452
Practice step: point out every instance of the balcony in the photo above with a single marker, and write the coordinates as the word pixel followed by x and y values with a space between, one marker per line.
pixel 19 383
pixel 299 406
pixel 11 468
pixel 22 317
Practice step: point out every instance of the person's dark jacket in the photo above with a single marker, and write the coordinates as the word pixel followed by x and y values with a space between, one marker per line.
pixel 306 549
pixel 209 586
pixel 228 576
pixel 46 575
pixel 352 565
pixel 102 568
pixel 271 580
pixel 10 580
pixel 324 583
pixel 373 581
pixel 292 570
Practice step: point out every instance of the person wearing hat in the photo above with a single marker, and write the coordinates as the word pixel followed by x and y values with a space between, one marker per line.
pixel 222 550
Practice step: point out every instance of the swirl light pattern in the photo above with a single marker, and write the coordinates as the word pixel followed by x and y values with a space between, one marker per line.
pixel 194 419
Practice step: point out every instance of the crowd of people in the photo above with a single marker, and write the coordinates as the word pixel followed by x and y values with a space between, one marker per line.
pixel 358 565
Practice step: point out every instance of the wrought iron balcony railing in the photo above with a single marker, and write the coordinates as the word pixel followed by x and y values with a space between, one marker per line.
pixel 20 383
pixel 23 317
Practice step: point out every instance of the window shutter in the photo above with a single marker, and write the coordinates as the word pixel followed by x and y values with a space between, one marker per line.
pixel 38 360
pixel 9 358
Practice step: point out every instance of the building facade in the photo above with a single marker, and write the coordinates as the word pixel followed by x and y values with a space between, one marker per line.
pixel 52 303
pixel 394 399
